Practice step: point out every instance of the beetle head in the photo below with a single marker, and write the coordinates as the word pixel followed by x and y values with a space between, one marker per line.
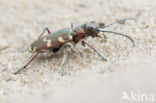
pixel 97 29
pixel 92 28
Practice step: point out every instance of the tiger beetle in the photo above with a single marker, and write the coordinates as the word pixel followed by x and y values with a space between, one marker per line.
pixel 53 42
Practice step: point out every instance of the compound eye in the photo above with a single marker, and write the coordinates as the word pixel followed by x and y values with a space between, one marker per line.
pixel 92 28
pixel 93 22
pixel 101 24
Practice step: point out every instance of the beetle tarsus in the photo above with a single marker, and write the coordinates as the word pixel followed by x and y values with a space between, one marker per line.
pixel 19 70
pixel 27 63
pixel 4 48
pixel 62 74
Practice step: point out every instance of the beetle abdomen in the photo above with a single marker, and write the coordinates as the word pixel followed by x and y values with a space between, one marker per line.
pixel 52 40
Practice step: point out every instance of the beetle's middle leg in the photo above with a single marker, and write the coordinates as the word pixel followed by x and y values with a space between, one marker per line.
pixel 65 46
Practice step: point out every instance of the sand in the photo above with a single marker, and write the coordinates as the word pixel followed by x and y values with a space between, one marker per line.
pixel 87 78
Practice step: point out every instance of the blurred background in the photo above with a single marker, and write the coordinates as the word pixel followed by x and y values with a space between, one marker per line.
pixel 87 78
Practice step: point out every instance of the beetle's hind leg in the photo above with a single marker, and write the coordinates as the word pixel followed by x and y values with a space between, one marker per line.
pixel 46 29
pixel 27 63
pixel 65 46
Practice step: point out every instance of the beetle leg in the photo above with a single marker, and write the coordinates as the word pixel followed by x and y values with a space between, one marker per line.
pixel 46 29
pixel 4 48
pixel 83 43
pixel 71 46
pixel 27 63
pixel 49 32
pixel 72 25
pixel 105 37
pixel 94 50
pixel 65 46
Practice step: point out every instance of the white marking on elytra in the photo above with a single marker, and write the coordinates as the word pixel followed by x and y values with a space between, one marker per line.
pixel 70 37
pixel 60 39
pixel 48 42
pixel 34 49
pixel 30 49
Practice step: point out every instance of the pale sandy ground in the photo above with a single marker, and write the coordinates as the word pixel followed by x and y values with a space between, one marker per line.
pixel 87 78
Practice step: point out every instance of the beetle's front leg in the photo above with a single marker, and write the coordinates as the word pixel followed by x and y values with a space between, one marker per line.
pixel 71 45
pixel 83 43
pixel 105 38
pixel 94 50
pixel 65 47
